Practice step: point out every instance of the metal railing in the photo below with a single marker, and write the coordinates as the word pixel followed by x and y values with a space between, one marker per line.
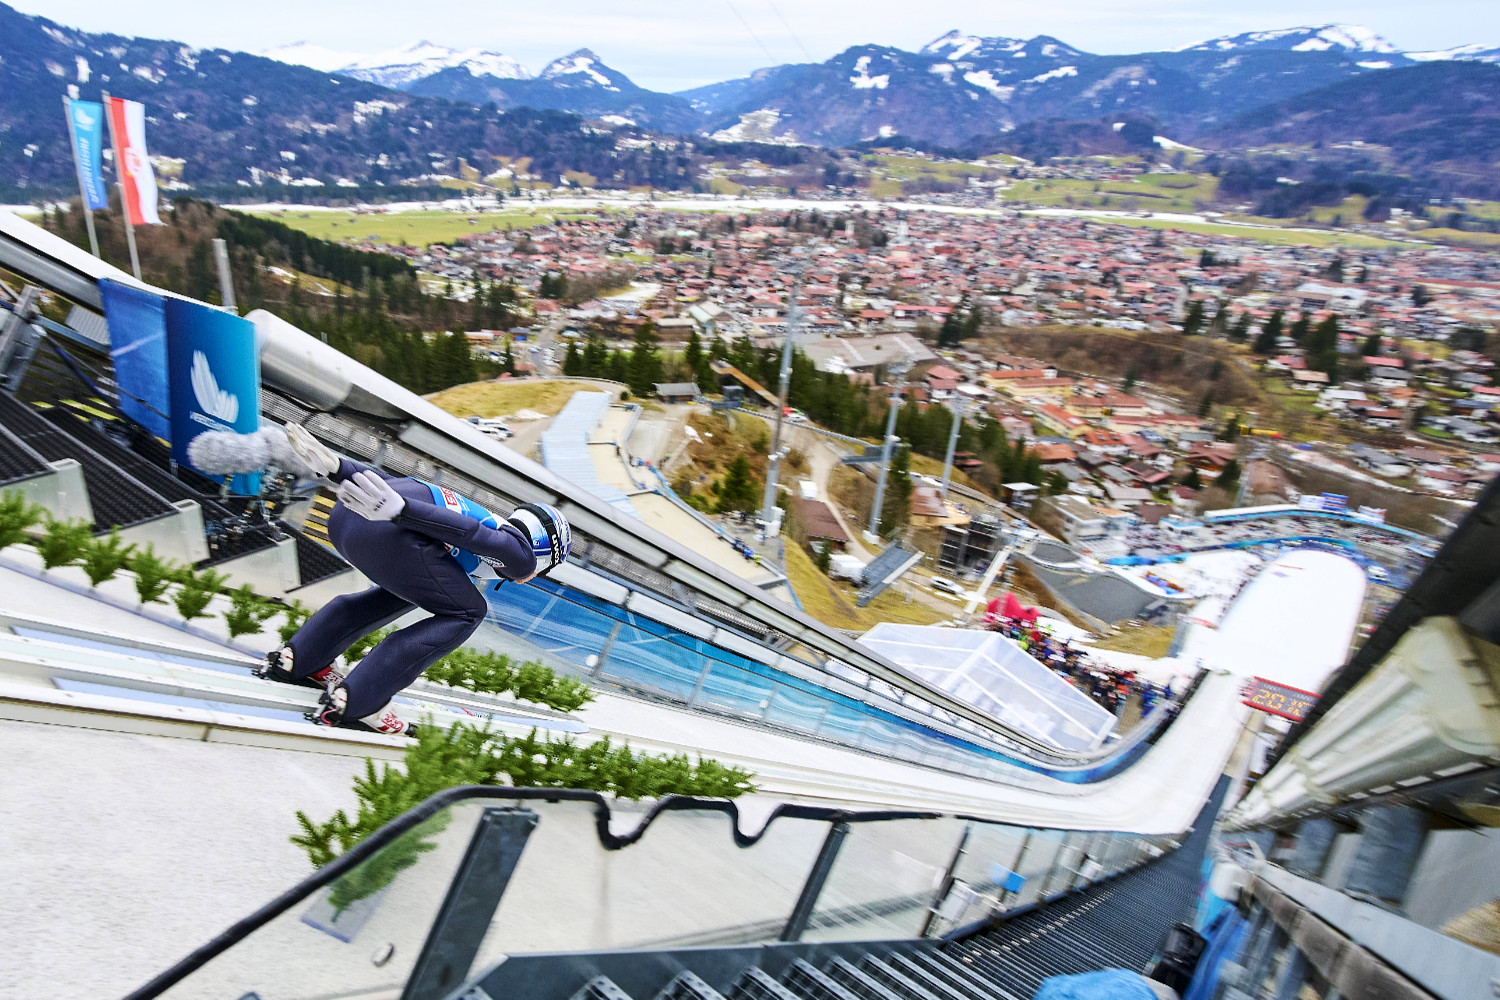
pixel 476 875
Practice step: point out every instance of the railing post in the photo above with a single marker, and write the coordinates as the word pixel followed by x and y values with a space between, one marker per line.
pixel 1056 858
pixel 708 665
pixel 946 885
pixel 609 643
pixel 473 896
pixel 813 887
pixel 1015 868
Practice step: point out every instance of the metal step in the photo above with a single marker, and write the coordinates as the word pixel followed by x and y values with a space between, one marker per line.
pixel 964 978
pixel 813 984
pixel 895 981
pixel 756 984
pixel 857 982
pixel 917 974
pixel 689 987
pixel 601 988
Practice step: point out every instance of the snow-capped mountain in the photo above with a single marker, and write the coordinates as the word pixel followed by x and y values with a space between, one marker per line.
pixel 1463 53
pixel 1313 38
pixel 312 56
pixel 578 82
pixel 402 67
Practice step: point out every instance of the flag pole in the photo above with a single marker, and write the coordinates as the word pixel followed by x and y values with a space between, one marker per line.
pixel 88 213
pixel 114 141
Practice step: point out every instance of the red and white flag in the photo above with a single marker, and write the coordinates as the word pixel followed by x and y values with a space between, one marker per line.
pixel 127 125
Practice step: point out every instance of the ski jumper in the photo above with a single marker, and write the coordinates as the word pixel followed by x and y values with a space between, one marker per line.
pixel 429 557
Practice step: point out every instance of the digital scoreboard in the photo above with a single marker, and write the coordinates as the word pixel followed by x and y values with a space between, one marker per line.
pixel 1279 699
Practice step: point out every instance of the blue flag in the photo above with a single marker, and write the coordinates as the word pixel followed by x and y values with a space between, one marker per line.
pixel 138 348
pixel 214 375
pixel 86 124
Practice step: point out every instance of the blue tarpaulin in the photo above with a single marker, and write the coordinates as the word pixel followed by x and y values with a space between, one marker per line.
pixel 137 324
pixel 1107 984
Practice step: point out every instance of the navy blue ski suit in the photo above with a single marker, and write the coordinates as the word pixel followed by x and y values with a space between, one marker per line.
pixel 410 565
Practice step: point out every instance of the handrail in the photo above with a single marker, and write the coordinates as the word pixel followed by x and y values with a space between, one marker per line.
pixel 609 841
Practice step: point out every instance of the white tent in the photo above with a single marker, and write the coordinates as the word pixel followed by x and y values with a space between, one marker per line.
pixel 996 676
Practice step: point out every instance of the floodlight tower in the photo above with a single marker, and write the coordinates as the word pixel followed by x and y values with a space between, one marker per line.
pixel 773 468
pixel 897 371
pixel 960 410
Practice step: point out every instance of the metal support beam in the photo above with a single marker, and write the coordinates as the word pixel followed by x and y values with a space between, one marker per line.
pixel 226 280
pixel 885 455
pixel 813 887
pixel 473 895
pixel 793 316
pixel 958 421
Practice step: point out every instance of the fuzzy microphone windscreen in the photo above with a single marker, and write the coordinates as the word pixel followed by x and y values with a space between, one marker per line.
pixel 224 453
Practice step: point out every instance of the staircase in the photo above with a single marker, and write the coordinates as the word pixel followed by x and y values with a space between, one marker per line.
pixel 1117 923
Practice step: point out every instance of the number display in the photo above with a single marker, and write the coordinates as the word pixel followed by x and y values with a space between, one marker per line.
pixel 1280 699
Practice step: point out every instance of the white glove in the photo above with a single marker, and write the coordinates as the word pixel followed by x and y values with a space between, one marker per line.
pixel 320 461
pixel 371 497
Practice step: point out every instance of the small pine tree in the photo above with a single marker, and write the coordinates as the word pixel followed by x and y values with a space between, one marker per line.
pixel 153 574
pixel 825 557
pixel 105 557
pixel 295 614
pixel 17 516
pixel 1206 403
pixel 737 490
pixel 64 543
pixel 1270 333
pixel 247 612
pixel 1229 478
pixel 197 590
pixel 1192 324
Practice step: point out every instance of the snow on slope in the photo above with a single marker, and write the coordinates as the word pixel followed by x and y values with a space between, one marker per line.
pixel 1475 52
pixel 403 66
pixel 582 62
pixel 1313 38
pixel 313 56
pixel 1292 624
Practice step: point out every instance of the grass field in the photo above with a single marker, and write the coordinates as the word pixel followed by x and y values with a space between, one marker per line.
pixel 418 228
pixel 832 602
pixel 1262 234
pixel 1149 640
pixel 499 399
pixel 1178 193
pixel 1462 238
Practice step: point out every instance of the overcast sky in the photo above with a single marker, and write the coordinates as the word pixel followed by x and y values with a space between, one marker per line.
pixel 675 44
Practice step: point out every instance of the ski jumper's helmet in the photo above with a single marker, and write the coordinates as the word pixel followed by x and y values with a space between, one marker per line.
pixel 551 537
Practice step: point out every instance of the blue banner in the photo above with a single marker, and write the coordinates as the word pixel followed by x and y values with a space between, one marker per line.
pixel 137 324
pixel 214 374
pixel 86 124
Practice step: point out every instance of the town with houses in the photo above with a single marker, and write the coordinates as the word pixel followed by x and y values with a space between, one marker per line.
pixel 1412 401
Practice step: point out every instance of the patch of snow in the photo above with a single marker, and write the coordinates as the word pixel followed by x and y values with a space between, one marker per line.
pixel 582 61
pixel 617 120
pixel 1054 74
pixel 888 131
pixel 956 43
pixel 1474 52
pixel 983 78
pixel 1166 143
pixel 862 79
pixel 757 126
pixel 1374 64
pixel 943 69
pixel 83 69
pixel 1314 38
